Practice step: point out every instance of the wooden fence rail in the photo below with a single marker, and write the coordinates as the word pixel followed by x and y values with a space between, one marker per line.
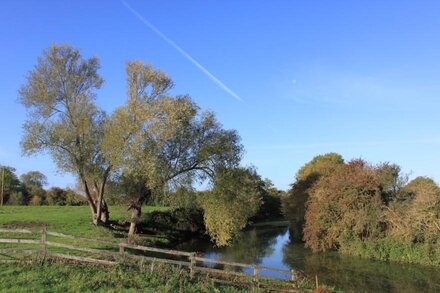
pixel 123 251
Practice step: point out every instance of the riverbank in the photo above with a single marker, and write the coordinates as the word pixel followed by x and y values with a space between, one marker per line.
pixel 388 249
pixel 267 245
pixel 264 244
pixel 74 220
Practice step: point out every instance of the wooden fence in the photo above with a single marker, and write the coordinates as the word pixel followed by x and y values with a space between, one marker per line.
pixel 219 271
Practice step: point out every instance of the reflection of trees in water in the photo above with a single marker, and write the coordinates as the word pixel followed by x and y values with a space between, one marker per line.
pixel 250 247
pixel 360 275
pixel 253 245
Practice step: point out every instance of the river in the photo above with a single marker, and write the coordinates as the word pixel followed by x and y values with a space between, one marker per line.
pixel 269 245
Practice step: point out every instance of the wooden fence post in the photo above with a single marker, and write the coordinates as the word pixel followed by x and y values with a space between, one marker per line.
pixel 121 250
pixel 193 263
pixel 43 244
pixel 255 277
pixel 152 265
pixel 292 275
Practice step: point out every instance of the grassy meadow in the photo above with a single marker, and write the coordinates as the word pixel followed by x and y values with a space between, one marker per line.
pixel 58 277
pixel 74 220
pixel 71 220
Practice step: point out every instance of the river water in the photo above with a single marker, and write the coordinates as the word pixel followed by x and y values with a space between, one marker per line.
pixel 269 245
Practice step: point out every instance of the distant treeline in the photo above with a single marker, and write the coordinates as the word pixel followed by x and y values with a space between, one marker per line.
pixel 363 209
pixel 29 190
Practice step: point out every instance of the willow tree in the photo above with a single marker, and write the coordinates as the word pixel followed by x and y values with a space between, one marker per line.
pixel 157 141
pixel 238 194
pixel 64 121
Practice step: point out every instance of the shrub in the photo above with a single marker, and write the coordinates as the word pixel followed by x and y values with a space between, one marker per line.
pixel 36 200
pixel 179 221
pixel 294 203
pixel 17 198
pixel 343 206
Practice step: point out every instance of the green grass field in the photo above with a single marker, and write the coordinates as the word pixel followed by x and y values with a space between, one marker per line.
pixel 58 277
pixel 71 220
pixel 64 277
pixel 74 220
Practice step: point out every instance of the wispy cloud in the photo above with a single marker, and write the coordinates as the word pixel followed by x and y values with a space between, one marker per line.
pixel 185 54
pixel 331 86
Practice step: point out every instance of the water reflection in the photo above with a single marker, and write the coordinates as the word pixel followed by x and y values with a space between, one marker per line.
pixel 268 245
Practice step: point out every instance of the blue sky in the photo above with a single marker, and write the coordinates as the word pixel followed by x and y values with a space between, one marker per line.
pixel 295 78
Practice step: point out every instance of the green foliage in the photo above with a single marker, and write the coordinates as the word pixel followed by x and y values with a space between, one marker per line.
pixel 33 183
pixel 162 138
pixel 60 197
pixel 321 165
pixel 270 207
pixel 181 197
pixel 12 185
pixel 157 140
pixel 59 97
pixel 34 178
pixel 56 197
pixel 63 119
pixel 17 198
pixel 177 224
pixel 392 249
pixel 235 197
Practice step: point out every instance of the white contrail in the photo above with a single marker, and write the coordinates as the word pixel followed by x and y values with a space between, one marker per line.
pixel 183 52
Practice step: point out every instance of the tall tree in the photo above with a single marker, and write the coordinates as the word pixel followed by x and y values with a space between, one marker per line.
pixel 11 185
pixel 34 178
pixel 157 140
pixel 33 183
pixel 64 121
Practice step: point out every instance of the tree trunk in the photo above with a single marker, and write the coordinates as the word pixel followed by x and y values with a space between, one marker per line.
pixel 136 211
pixel 90 200
pixel 105 213
pixel 102 215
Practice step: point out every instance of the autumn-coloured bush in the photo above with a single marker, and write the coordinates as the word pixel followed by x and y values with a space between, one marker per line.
pixel 417 219
pixel 363 209
pixel 343 206
pixel 294 203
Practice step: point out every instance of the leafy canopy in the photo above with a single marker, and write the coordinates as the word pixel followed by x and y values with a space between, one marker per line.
pixel 236 196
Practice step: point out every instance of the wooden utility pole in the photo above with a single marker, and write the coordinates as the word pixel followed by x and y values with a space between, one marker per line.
pixel 3 185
